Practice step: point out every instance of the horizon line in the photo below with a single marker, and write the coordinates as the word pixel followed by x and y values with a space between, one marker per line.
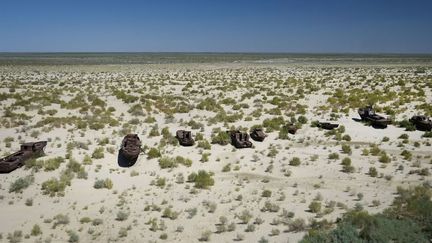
pixel 216 52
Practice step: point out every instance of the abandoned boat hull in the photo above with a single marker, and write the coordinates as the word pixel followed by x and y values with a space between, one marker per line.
pixel 18 159
pixel 185 138
pixel 421 123
pixel 327 125
pixel 258 135
pixel 240 140
pixel 131 147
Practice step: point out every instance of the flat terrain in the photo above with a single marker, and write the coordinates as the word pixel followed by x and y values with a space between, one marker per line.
pixel 273 191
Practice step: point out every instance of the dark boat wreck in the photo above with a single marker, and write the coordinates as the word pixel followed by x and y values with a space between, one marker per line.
pixel 240 139
pixel 327 125
pixel 130 147
pixel 368 114
pixel 258 134
pixel 291 128
pixel 185 138
pixel 422 123
pixel 16 160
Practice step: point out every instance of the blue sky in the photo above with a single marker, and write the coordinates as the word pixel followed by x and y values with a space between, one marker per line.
pixel 353 26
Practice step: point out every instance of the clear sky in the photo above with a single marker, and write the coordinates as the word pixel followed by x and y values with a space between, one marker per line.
pixel 354 26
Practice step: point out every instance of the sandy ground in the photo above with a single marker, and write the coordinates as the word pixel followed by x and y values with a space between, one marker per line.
pixel 317 178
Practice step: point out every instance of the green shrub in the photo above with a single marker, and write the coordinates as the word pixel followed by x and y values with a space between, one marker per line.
pixel 245 216
pixel 221 138
pixel 346 137
pixel 73 236
pixel 202 180
pixel 407 125
pixel 21 183
pixel 96 222
pixel 407 220
pixel 15 237
pixel 403 136
pixel 153 153
pixel 384 158
pixel 53 164
pixel 161 182
pixel 204 144
pixel 167 162
pixel 122 216
pixel 295 161
pixel 98 153
pixel 209 104
pixel 87 160
pixel 154 132
pixel 373 172
pixel 184 161
pixel 226 168
pixel 205 157
pixel 315 206
pixel 54 187
pixel 302 119
pixel 36 230
pixel 346 149
pixel 60 219
pixel 407 155
pixel 266 193
pixel 273 124
pixel 333 156
pixel 99 184
pixel 346 161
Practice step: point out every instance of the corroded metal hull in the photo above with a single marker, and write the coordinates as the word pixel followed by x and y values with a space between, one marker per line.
pixel 240 139
pixel 18 159
pixel 185 138
pixel 131 147
pixel 258 134
pixel 327 125
pixel 368 114
pixel 422 123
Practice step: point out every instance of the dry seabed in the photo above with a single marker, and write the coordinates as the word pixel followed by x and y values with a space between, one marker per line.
pixel 209 192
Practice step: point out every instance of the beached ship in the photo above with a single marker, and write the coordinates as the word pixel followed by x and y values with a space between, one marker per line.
pixel 131 147
pixel 185 138
pixel 240 139
pixel 368 114
pixel 16 160
pixel 258 134
pixel 422 123
pixel 291 128
pixel 327 125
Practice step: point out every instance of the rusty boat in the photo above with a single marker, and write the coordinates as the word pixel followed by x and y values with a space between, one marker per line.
pixel 131 147
pixel 327 125
pixel 185 138
pixel 422 123
pixel 368 114
pixel 240 139
pixel 18 159
pixel 258 134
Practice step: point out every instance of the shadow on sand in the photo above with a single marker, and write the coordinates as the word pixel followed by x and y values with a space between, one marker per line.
pixel 123 162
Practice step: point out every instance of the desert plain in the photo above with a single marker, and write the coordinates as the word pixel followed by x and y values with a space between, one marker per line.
pixel 275 191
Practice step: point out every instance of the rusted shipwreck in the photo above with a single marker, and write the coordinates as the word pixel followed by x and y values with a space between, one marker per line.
pixel 421 122
pixel 327 125
pixel 240 139
pixel 131 147
pixel 185 138
pixel 291 128
pixel 368 114
pixel 16 160
pixel 258 134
